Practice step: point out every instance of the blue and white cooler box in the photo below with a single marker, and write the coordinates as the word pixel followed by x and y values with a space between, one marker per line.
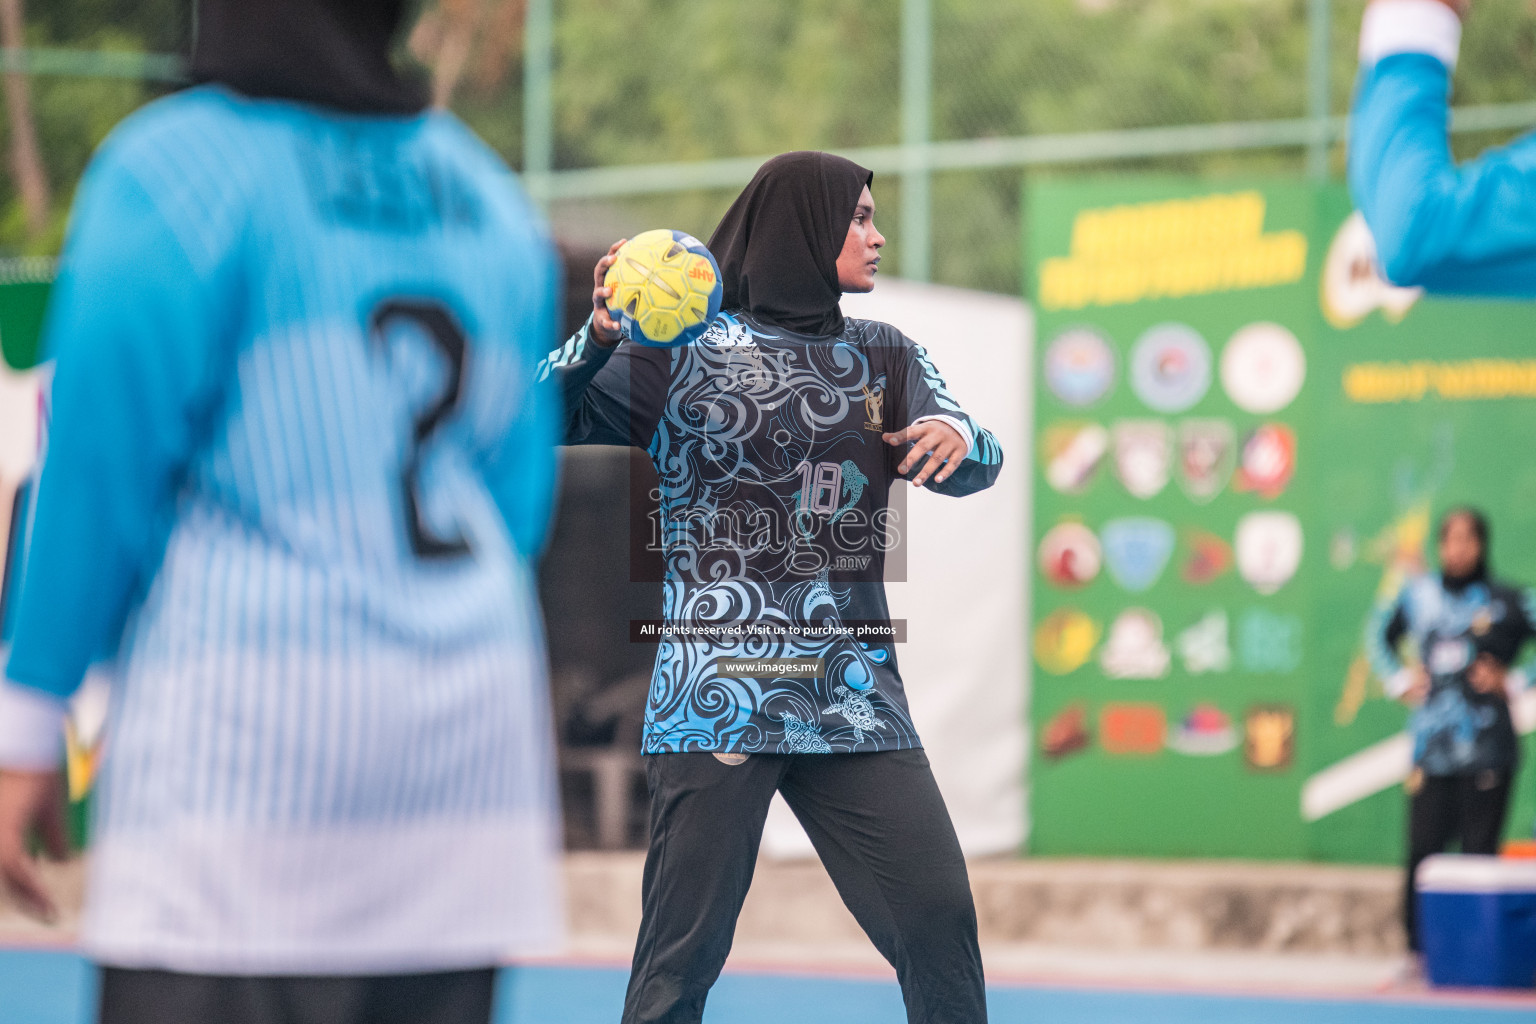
pixel 1477 921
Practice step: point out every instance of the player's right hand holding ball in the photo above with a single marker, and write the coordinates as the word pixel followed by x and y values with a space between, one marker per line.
pixel 605 329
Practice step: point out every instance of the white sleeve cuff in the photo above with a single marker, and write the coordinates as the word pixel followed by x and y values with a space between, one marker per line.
pixel 1410 26
pixel 1398 683
pixel 961 427
pixel 31 728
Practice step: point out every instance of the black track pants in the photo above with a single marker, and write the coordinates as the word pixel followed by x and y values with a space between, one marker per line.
pixel 880 827
pixel 1469 809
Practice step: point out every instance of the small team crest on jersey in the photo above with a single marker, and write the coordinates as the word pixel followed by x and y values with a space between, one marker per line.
pixel 1263 368
pixel 1134 648
pixel 1064 641
pixel 1207 454
pixel 1269 737
pixel 874 404
pixel 1209 557
pixel 1143 455
pixel 1073 454
pixel 1203 647
pixel 1066 732
pixel 1268 460
pixel 1079 366
pixel 1130 729
pixel 1136 550
pixel 1069 555
pixel 1268 548
pixel 1205 732
pixel 1170 368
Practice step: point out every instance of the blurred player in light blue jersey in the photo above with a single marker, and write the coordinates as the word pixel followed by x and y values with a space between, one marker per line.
pixel 1461 230
pixel 297 476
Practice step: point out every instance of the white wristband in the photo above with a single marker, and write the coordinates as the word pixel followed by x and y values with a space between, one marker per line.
pixel 1398 683
pixel 1410 26
pixel 31 728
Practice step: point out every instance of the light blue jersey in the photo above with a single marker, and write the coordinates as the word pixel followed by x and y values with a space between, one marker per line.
pixel 1468 229
pixel 297 471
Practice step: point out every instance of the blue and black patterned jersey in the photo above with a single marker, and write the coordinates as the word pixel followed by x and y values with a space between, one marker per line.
pixel 1457 730
pixel 775 521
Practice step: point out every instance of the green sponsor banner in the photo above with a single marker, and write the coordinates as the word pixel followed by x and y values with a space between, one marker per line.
pixel 1237 455
pixel 1425 404
pixel 24 284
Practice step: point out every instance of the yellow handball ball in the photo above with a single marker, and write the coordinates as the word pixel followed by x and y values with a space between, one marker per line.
pixel 666 288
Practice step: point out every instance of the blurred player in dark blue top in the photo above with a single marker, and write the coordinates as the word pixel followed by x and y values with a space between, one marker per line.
pixel 777 437
pixel 1465 631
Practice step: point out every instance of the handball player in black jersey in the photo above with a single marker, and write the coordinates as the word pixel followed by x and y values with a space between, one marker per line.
pixel 777 437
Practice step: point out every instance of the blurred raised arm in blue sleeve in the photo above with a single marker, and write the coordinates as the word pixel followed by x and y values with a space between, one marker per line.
pixel 1468 229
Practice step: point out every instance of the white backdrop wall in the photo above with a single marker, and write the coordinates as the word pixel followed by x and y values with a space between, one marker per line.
pixel 965 664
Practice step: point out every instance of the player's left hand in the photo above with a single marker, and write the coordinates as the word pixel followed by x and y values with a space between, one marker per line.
pixel 936 446
pixel 1486 675
pixel 31 800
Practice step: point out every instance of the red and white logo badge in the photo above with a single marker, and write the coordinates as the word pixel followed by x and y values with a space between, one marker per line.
pixel 1268 460
pixel 1070 555
pixel 1143 455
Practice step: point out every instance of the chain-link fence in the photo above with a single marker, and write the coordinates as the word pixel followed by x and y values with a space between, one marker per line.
pixel 641 113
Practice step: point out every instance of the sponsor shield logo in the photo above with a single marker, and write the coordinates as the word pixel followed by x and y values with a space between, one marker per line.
pixel 1209 557
pixel 1137 550
pixel 1170 368
pixel 1064 641
pixel 1263 368
pixel 1205 732
pixel 1268 548
pixel 1268 461
pixel 1069 555
pixel 1066 733
pixel 1268 642
pixel 1135 648
pixel 1143 455
pixel 1204 647
pixel 1130 729
pixel 1269 737
pixel 1352 287
pixel 1207 454
pixel 1073 454
pixel 1079 366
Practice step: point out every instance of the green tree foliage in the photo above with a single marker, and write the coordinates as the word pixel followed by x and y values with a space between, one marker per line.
pixel 641 81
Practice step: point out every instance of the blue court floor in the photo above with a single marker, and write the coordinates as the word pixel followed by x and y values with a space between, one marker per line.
pixel 56 988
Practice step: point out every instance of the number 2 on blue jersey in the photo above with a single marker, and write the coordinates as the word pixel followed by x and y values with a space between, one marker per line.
pixel 442 329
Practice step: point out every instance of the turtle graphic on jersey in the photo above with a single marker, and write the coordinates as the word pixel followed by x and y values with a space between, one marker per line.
pixel 856 710
pixel 802 737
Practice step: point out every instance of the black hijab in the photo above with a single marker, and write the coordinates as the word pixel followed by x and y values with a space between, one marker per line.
pixel 1479 524
pixel 778 244
pixel 333 53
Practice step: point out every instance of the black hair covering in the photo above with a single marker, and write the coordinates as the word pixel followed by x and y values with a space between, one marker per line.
pixel 1479 524
pixel 778 244
pixel 333 53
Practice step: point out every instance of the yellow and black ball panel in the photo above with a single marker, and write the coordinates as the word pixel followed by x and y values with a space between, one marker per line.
pixel 666 288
